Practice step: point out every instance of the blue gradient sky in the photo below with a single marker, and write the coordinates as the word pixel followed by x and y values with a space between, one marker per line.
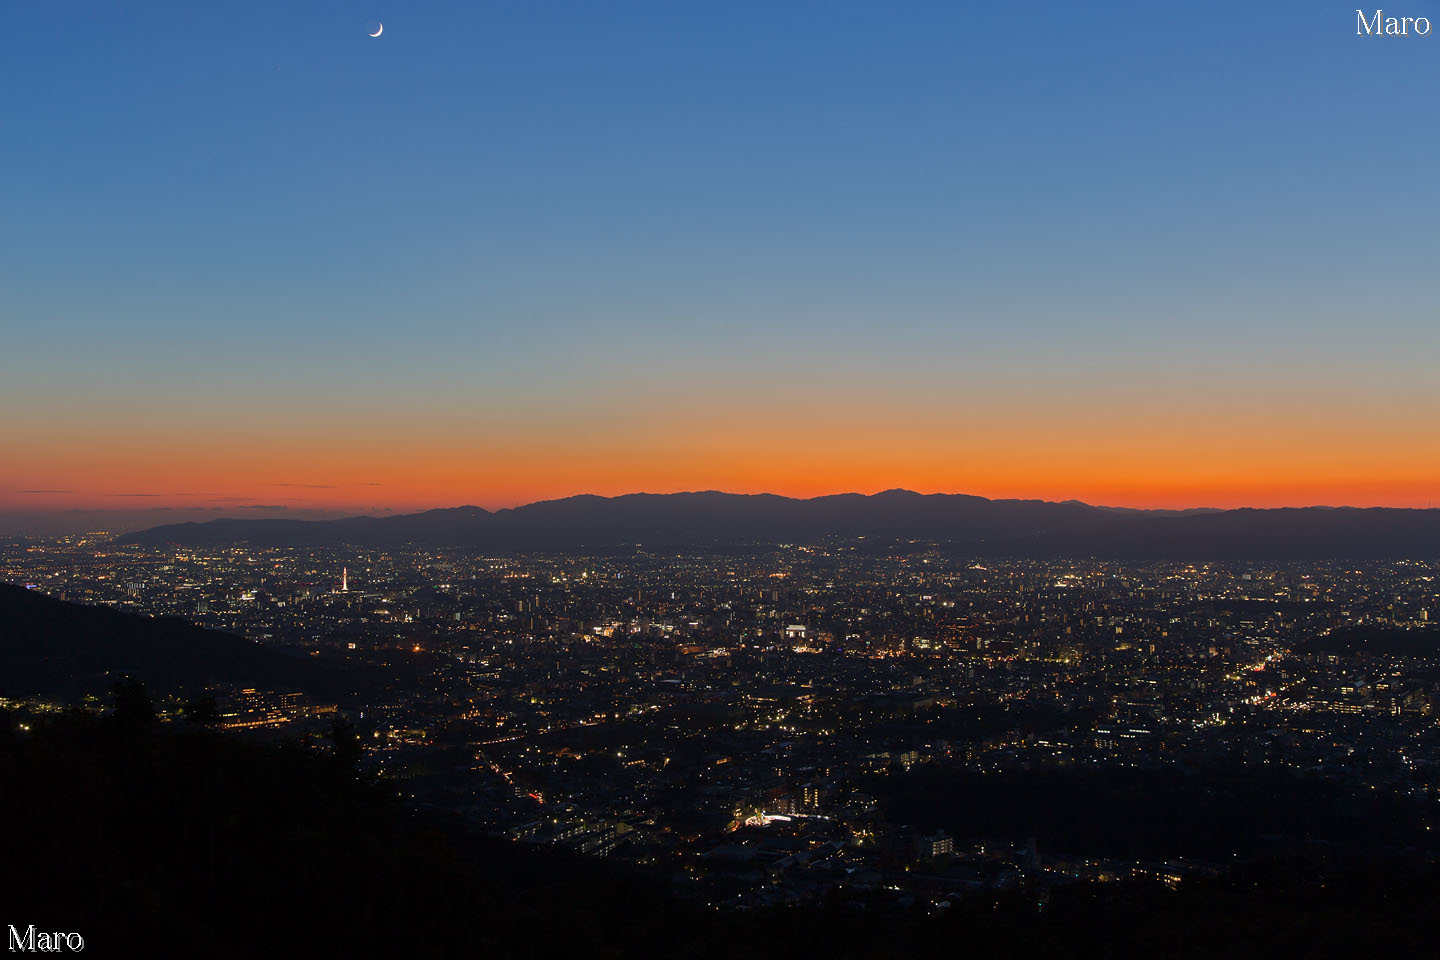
pixel 249 234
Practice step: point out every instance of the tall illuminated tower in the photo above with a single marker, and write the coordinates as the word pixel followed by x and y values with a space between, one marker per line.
pixel 344 579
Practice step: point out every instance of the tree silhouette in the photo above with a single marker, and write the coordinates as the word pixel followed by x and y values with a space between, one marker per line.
pixel 133 707
pixel 201 711
pixel 345 742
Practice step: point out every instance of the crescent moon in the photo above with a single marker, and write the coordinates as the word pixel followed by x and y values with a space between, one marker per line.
pixel 380 30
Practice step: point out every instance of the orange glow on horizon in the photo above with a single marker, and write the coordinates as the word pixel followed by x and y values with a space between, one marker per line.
pixel 1176 450
pixel 445 485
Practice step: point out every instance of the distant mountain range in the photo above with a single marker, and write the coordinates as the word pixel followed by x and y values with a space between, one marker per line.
pixel 962 523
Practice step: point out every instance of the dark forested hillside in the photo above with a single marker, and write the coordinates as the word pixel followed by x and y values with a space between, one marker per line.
pixel 179 841
pixel 51 647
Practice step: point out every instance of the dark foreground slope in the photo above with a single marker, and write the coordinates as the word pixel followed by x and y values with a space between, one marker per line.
pixel 181 842
pixel 973 525
pixel 158 841
pixel 48 646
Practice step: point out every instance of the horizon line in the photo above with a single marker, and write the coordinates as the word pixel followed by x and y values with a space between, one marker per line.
pixel 329 512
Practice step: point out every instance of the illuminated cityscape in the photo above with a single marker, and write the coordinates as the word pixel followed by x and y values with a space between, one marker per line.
pixel 760 724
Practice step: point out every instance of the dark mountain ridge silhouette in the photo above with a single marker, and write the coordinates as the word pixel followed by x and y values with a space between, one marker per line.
pixel 962 522
pixel 51 647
